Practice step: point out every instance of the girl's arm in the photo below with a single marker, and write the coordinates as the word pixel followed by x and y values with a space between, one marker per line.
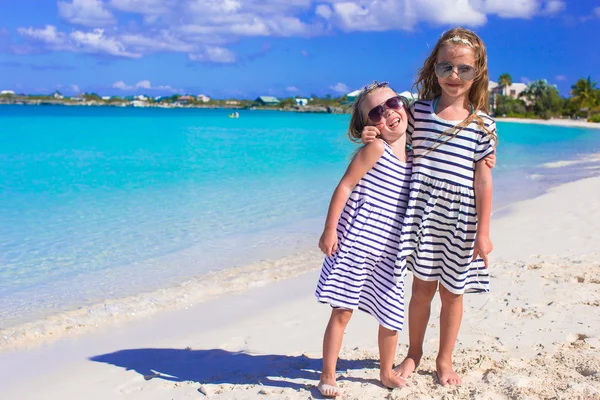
pixel 483 204
pixel 362 162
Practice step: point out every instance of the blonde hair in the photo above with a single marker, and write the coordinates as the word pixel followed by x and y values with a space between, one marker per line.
pixel 357 120
pixel 429 88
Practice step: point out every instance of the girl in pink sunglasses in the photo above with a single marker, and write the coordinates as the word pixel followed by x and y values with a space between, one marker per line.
pixel 445 238
pixel 362 233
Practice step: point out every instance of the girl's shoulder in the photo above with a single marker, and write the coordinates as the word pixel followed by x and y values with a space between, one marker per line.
pixel 488 121
pixel 371 152
pixel 421 109
pixel 421 104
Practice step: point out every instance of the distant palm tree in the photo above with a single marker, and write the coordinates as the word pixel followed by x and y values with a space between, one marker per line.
pixel 542 98
pixel 504 81
pixel 585 94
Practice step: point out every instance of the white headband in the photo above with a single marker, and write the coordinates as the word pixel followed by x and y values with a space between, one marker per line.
pixel 460 40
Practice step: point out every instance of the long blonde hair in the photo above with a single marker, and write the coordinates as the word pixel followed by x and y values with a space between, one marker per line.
pixel 429 88
pixel 357 120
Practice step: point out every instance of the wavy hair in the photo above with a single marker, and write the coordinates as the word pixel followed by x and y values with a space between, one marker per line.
pixel 429 88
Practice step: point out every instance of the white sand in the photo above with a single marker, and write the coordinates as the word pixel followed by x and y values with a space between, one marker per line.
pixel 552 122
pixel 536 336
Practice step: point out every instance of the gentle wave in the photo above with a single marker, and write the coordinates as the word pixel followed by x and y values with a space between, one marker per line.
pixel 184 295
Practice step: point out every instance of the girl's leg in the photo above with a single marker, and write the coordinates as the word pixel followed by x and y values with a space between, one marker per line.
pixel 388 340
pixel 332 343
pixel 450 318
pixel 419 310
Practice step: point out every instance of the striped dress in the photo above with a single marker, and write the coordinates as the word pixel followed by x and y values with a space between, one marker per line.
pixel 438 231
pixel 360 275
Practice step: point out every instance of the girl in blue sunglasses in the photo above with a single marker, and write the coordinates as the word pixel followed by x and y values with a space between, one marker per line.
pixel 445 234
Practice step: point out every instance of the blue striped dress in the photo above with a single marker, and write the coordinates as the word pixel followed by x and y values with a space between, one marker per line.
pixel 360 275
pixel 438 231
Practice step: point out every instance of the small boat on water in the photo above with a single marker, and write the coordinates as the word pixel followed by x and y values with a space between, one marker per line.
pixel 234 115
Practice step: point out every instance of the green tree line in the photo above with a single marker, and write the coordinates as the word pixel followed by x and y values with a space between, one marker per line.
pixel 542 100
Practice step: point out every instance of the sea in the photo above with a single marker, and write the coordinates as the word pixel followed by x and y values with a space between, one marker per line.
pixel 100 203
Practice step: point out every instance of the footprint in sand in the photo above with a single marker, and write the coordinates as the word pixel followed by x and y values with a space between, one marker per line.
pixel 525 312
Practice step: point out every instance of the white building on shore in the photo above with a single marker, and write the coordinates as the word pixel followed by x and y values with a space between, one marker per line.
pixel 7 92
pixel 513 90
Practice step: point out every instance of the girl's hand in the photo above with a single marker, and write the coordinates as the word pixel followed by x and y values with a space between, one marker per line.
pixel 329 242
pixel 490 160
pixel 369 134
pixel 483 247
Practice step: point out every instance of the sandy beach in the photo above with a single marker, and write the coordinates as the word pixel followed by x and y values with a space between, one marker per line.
pixel 536 336
pixel 571 123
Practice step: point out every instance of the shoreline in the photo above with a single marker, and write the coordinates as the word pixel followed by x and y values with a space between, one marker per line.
pixel 569 123
pixel 83 319
pixel 80 319
pixel 317 109
pixel 536 335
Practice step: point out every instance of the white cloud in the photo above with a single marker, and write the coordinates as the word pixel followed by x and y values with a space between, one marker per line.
pixel 146 85
pixel 96 42
pixel 324 11
pixel 212 54
pixel 48 35
pixel 553 7
pixel 560 78
pixel 150 7
pixel 121 85
pixel 143 85
pixel 205 28
pixel 511 8
pixel 93 42
pixel 85 12
pixel 74 88
pixel 292 89
pixel 597 12
pixel 163 41
pixel 304 53
pixel 340 88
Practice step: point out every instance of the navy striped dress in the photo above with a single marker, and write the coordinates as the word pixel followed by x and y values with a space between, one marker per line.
pixel 360 275
pixel 438 231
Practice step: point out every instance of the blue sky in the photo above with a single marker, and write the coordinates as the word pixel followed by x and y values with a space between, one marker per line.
pixel 245 48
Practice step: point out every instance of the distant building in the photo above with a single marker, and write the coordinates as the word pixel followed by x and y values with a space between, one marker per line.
pixel 410 96
pixel 185 99
pixel 351 97
pixel 139 103
pixel 301 102
pixel 7 92
pixel 513 90
pixel 267 101
pixel 203 98
pixel 58 96
pixel 105 98
pixel 233 102
pixel 141 97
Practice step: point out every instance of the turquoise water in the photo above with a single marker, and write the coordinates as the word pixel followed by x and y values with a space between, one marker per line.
pixel 99 202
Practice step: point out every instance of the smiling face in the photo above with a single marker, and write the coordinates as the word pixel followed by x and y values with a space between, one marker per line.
pixel 392 124
pixel 456 55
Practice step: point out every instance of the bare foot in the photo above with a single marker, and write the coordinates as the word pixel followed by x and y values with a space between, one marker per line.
pixel 407 366
pixel 446 374
pixel 391 380
pixel 328 387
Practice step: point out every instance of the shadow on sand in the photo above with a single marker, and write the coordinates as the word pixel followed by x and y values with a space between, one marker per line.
pixel 218 366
